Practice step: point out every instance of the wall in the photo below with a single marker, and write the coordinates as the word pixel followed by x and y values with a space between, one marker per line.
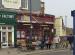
pixel 17 4
pixel 36 5
pixel 59 26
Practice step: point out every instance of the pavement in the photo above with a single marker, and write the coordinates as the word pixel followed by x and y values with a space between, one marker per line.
pixel 15 51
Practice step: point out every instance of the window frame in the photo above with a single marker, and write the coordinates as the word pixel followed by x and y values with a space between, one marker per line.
pixel 25 4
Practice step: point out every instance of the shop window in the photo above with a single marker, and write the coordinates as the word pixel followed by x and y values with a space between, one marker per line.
pixel 18 34
pixel 19 18
pixel 22 34
pixel 22 18
pixel 24 4
pixel 3 27
pixel 3 37
pixel 0 27
pixel 9 28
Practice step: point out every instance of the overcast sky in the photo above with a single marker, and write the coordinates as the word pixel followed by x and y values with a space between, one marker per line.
pixel 61 8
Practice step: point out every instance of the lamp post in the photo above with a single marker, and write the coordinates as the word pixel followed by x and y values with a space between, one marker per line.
pixel 30 38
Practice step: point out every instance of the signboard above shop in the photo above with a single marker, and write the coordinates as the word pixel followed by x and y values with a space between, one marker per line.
pixel 6 14
pixel 7 18
pixel 11 4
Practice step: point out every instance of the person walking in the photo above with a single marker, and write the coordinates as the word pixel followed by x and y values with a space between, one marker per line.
pixel 38 43
pixel 46 43
pixel 70 38
pixel 56 41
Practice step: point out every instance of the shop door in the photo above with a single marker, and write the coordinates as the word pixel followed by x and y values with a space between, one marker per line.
pixel 46 34
pixel 4 40
pixel 9 38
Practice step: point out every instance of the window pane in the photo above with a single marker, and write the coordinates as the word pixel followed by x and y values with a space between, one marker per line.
pixel 22 18
pixel 9 27
pixel 0 27
pixel 4 37
pixel 3 27
pixel 24 3
pixel 22 34
pixel 18 34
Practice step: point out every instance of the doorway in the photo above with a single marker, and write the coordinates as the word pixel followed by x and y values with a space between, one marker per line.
pixel 6 36
pixel 4 40
pixel 9 38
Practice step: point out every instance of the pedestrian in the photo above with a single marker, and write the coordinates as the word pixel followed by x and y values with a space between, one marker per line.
pixel 38 44
pixel 65 42
pixel 70 38
pixel 56 41
pixel 50 42
pixel 42 43
pixel 46 43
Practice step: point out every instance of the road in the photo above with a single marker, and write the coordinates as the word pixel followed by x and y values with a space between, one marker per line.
pixel 55 52
pixel 37 52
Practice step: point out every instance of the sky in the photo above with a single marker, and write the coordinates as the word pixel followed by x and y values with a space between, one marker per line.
pixel 61 8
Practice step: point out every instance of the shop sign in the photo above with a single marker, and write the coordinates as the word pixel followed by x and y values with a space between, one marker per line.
pixel 6 16
pixel 24 18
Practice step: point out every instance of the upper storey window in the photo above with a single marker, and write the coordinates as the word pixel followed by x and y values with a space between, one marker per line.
pixel 24 4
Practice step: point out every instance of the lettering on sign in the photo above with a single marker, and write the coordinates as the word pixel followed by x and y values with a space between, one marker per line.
pixel 6 16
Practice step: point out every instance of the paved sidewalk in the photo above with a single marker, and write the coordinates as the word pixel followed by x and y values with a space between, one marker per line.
pixel 14 51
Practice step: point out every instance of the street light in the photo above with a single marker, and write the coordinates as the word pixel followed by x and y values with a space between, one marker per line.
pixel 30 38
pixel 31 27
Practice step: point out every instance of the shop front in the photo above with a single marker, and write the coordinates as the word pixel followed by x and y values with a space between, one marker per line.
pixel 23 32
pixel 37 28
pixel 23 29
pixel 7 29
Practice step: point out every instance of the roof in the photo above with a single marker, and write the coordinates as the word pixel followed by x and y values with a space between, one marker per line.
pixel 49 19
